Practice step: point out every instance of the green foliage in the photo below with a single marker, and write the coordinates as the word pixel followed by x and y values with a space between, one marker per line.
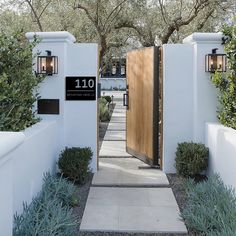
pixel 191 159
pixel 104 113
pixel 48 213
pixel 103 101
pixel 211 208
pixel 108 98
pixel 226 83
pixel 74 163
pixel 60 188
pixel 17 83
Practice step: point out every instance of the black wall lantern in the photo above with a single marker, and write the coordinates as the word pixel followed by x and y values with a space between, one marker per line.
pixel 47 65
pixel 215 62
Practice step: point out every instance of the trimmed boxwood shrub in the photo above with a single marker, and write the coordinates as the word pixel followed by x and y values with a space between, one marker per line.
pixel 210 208
pixel 191 159
pixel 74 163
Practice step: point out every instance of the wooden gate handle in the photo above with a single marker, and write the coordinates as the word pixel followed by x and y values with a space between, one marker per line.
pixel 126 100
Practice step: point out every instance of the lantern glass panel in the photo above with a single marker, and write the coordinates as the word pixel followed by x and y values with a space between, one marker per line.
pixel 47 65
pixel 215 62
pixel 43 65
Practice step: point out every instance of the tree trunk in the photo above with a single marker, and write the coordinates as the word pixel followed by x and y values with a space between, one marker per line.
pixel 103 49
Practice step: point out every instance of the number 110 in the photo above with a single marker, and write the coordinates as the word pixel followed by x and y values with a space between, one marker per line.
pixel 84 83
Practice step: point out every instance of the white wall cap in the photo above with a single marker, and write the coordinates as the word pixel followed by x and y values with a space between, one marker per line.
pixel 38 127
pixel 9 141
pixel 57 36
pixel 204 38
pixel 220 126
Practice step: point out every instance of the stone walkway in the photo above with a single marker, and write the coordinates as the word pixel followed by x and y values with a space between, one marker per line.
pixel 125 195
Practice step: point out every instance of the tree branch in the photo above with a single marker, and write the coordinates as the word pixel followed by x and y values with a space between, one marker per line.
pixel 162 11
pixel 111 13
pixel 35 15
pixel 44 8
pixel 179 22
pixel 203 22
pixel 79 6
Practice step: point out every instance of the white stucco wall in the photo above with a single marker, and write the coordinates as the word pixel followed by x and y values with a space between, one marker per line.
pixel 221 141
pixel 190 98
pixel 204 92
pixel 77 119
pixel 178 100
pixel 9 141
pixel 28 155
pixel 80 121
pixel 36 155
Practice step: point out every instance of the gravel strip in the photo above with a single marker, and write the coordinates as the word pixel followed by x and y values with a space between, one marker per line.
pixel 83 191
pixel 176 183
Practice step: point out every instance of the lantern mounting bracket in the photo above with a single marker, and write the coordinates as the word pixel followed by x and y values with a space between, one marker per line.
pixel 49 53
pixel 214 50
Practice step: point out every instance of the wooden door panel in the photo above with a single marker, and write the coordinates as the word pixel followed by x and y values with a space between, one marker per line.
pixel 141 128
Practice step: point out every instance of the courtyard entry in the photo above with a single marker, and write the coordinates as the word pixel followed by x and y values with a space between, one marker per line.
pixel 127 195
pixel 144 105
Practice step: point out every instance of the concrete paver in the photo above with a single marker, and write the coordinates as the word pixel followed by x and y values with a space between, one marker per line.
pixel 98 218
pixel 126 172
pixel 118 119
pixel 119 114
pixel 120 106
pixel 115 136
pixel 151 219
pixel 132 211
pixel 113 149
pixel 116 126
pixel 119 110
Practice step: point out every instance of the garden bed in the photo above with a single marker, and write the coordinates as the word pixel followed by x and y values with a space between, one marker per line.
pixel 208 207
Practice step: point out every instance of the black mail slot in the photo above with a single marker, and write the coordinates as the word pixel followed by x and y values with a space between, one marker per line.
pixel 48 106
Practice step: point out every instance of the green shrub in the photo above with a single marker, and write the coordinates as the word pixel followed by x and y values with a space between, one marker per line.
pixel 60 188
pixel 103 101
pixel 74 163
pixel 211 208
pixel 191 159
pixel 17 83
pixel 226 82
pixel 108 98
pixel 48 213
pixel 104 113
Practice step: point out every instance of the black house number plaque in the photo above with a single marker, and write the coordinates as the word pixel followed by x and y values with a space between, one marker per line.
pixel 80 88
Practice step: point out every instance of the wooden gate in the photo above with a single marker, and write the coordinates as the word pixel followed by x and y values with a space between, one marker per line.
pixel 144 105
